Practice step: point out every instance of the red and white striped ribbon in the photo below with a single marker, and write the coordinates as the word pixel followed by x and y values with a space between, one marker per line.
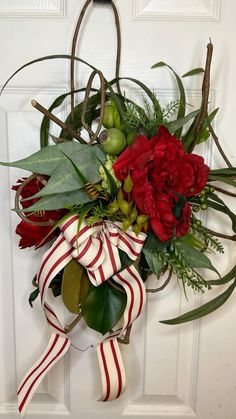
pixel 96 248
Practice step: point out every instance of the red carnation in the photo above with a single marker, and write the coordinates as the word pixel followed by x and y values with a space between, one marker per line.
pixel 32 234
pixel 160 170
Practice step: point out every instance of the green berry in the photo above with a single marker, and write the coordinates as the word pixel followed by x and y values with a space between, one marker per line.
pixel 113 141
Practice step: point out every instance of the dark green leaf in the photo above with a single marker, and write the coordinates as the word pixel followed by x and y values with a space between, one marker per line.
pixel 194 257
pixel 194 72
pixel 182 96
pixel 179 206
pixel 203 310
pixel 155 265
pixel 225 279
pixel 173 126
pixel 219 205
pixel 103 307
pixel 33 296
pixel 153 244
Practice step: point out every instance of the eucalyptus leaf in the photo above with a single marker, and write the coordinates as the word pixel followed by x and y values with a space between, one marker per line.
pixel 103 307
pixel 203 310
pixel 59 201
pixel 153 244
pixel 45 161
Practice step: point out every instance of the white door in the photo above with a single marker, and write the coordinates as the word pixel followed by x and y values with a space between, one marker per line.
pixel 187 371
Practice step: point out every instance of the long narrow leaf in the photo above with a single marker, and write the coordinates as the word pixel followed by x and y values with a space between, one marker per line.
pixel 182 96
pixel 203 310
pixel 193 72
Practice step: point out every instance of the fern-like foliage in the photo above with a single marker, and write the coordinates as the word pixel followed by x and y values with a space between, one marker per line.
pixel 211 242
pixel 173 258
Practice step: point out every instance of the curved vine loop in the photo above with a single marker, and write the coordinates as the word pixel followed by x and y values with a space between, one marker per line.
pixel 19 210
pixel 94 135
pixel 74 43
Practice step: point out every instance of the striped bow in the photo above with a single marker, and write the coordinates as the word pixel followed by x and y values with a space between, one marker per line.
pixel 96 248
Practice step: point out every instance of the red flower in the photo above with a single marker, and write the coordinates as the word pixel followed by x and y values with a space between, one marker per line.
pixel 160 170
pixel 32 235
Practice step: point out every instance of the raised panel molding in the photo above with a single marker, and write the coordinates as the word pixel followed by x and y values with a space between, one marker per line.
pixel 202 10
pixel 51 399
pixel 32 8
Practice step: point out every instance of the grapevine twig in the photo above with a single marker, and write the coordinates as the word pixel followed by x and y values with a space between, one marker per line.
pixel 70 327
pixel 205 96
pixel 55 119
pixel 223 236
pixel 153 290
pixel 222 190
pixel 216 139
pixel 126 339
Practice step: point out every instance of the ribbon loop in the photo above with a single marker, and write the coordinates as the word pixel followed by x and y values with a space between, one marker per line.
pixel 97 249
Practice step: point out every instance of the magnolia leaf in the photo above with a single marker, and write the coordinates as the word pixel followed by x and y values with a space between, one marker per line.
pixel 193 256
pixel 193 72
pixel 103 307
pixel 75 286
pixel 204 309
pixel 59 201
pixel 153 262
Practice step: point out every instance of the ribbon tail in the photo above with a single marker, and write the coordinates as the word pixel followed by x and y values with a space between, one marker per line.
pixel 112 370
pixel 56 349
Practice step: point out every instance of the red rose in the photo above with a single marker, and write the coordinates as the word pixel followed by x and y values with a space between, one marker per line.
pixel 160 170
pixel 32 235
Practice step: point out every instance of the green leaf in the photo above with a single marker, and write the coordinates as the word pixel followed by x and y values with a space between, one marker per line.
pixel 148 92
pixel 179 206
pixel 72 282
pixel 226 171
pixel 59 201
pixel 111 180
pixel 153 262
pixel 64 178
pixel 45 58
pixel 182 96
pixel 153 244
pixel 33 296
pixel 173 126
pixel 83 212
pixel 103 307
pixel 224 179
pixel 80 175
pixel 194 257
pixel 125 260
pixel 203 310
pixel 193 72
pixel 45 161
pixel 219 205
pixel 225 279
pixel 204 132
